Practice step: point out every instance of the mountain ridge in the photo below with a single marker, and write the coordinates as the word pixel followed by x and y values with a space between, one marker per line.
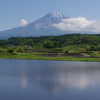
pixel 40 27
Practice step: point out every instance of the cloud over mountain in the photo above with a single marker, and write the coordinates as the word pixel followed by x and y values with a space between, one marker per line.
pixel 79 24
pixel 23 23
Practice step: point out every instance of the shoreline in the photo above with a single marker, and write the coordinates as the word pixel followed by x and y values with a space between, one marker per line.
pixel 30 56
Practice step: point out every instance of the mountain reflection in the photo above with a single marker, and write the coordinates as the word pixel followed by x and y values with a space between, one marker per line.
pixel 56 84
pixel 61 79
pixel 23 76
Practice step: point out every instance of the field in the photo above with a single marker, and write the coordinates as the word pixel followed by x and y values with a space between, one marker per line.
pixel 35 57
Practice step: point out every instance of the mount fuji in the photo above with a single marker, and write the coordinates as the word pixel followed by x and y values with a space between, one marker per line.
pixel 41 27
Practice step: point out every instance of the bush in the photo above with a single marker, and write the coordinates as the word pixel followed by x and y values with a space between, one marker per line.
pixel 10 50
pixel 88 48
pixel 48 44
pixel 14 53
pixel 99 52
pixel 19 49
pixel 2 50
pixel 39 45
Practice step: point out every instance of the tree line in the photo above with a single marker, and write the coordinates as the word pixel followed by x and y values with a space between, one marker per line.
pixel 53 41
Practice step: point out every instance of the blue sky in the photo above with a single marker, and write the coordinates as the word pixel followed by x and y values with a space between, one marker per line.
pixel 13 11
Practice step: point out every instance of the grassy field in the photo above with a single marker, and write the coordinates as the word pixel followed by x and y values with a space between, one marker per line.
pixel 95 55
pixel 30 56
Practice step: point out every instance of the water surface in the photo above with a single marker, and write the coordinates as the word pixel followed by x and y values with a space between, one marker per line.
pixel 49 80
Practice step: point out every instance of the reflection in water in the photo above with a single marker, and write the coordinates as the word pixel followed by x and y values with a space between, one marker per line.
pixel 57 79
pixel 23 76
pixel 49 80
pixel 78 79
pixel 24 81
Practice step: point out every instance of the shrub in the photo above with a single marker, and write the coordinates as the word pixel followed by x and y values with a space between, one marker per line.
pixel 10 50
pixel 19 49
pixel 39 45
pixel 48 44
pixel 14 53
pixel 88 48
pixel 99 52
pixel 2 50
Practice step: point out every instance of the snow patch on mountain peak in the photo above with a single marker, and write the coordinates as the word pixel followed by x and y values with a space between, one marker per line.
pixel 56 14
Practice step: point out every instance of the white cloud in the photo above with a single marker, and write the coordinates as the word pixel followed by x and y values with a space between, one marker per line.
pixel 79 24
pixel 38 25
pixel 23 23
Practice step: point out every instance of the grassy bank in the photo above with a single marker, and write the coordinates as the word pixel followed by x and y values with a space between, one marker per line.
pixel 35 57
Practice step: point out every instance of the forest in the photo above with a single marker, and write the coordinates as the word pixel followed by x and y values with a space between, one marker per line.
pixel 71 42
pixel 53 41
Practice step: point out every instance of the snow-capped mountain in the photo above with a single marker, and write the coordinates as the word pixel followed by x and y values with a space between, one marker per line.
pixel 41 27
pixel 48 20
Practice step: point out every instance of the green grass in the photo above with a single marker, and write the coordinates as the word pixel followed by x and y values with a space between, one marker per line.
pixel 40 53
pixel 70 49
pixel 32 56
pixel 94 54
pixel 74 48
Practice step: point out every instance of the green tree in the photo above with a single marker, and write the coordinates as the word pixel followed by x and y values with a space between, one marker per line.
pixel 33 44
pixel 21 44
pixel 2 50
pixel 10 50
pixel 39 45
pixel 60 44
pixel 56 44
pixel 92 47
pixel 48 44
pixel 2 43
pixel 85 39
pixel 19 49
